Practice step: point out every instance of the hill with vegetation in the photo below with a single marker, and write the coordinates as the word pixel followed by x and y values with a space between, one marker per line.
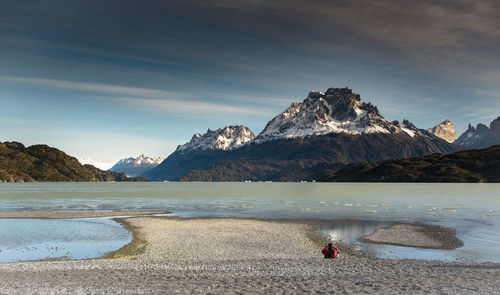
pixel 464 166
pixel 43 163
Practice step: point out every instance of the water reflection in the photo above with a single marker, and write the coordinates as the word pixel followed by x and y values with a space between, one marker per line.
pixel 476 242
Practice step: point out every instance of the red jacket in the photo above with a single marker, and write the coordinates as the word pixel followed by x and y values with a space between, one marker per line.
pixel 334 253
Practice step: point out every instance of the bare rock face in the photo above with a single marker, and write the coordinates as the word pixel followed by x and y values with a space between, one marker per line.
pixel 444 130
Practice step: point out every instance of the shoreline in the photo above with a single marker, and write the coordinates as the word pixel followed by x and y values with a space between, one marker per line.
pixel 399 234
pixel 74 214
pixel 240 256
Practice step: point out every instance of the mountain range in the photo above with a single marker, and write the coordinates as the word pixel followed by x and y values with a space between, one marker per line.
pixel 324 131
pixel 478 137
pixel 316 139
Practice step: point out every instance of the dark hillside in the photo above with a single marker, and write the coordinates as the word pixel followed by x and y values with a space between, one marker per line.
pixel 464 166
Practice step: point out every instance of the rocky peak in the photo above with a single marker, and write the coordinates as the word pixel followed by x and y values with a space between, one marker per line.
pixel 495 127
pixel 444 130
pixel 335 111
pixel 481 128
pixel 227 138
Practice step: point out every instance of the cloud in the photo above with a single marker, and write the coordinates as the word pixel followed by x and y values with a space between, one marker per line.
pixel 456 38
pixel 192 107
pixel 93 87
pixel 151 99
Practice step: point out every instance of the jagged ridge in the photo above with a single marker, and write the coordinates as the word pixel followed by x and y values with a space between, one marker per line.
pixel 481 136
pixel 227 138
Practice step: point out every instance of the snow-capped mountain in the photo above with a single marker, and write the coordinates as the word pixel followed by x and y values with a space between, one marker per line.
pixel 97 164
pixel 135 166
pixel 201 151
pixel 227 138
pixel 444 130
pixel 481 136
pixel 338 110
pixel 327 130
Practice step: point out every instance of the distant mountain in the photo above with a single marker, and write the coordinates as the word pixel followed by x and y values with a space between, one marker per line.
pixel 325 130
pixel 200 151
pixel 97 164
pixel 136 166
pixel 444 130
pixel 480 137
pixel 43 163
pixel 227 138
pixel 464 166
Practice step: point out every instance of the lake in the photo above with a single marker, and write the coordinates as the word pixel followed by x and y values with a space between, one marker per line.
pixel 351 209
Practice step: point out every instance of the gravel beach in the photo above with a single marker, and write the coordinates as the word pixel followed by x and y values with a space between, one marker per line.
pixel 234 256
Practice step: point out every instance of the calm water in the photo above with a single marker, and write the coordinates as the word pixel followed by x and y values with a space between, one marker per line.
pixel 33 239
pixel 474 209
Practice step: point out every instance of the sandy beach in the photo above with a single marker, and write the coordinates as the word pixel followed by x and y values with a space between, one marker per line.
pixel 235 256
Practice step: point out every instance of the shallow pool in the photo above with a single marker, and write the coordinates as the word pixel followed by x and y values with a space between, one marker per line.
pixel 37 239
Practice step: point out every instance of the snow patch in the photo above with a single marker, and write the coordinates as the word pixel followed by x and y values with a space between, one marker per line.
pixel 97 164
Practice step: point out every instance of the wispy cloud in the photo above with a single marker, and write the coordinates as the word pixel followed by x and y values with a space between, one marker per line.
pixel 151 99
pixel 93 87
pixel 456 38
pixel 192 107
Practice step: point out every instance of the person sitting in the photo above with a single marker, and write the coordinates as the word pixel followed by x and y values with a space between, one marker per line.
pixel 330 251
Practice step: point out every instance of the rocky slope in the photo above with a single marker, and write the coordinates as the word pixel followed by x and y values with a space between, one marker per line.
pixel 481 136
pixel 136 166
pixel 464 166
pixel 325 130
pixel 444 130
pixel 43 163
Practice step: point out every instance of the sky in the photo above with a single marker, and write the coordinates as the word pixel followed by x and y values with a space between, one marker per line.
pixel 111 79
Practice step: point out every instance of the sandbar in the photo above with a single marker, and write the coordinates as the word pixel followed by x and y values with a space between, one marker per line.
pixel 240 256
pixel 415 235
